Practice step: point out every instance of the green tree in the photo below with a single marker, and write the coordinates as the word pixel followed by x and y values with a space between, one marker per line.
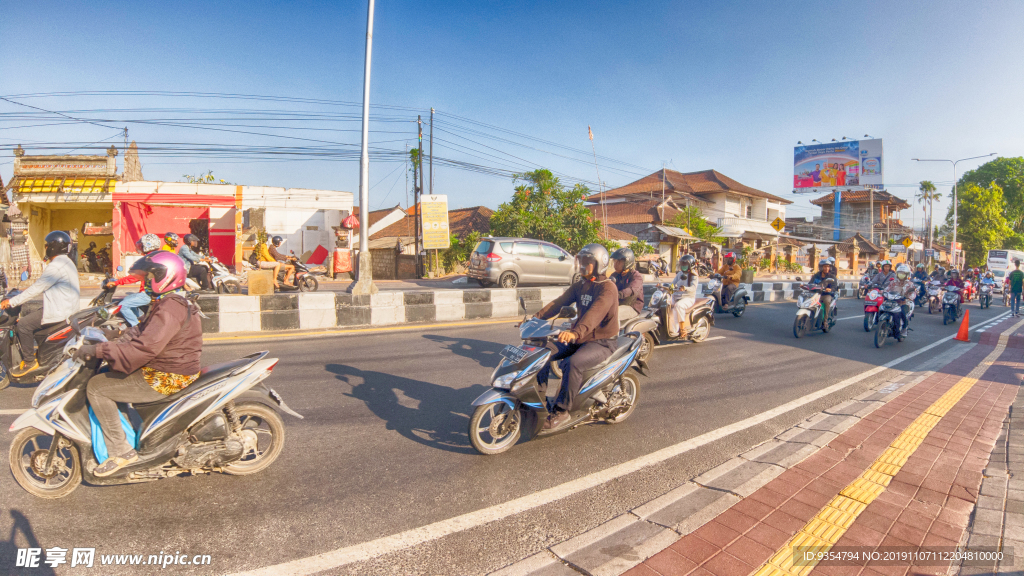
pixel 981 224
pixel 641 248
pixel 207 178
pixel 1008 173
pixel 692 218
pixel 542 208
pixel 927 195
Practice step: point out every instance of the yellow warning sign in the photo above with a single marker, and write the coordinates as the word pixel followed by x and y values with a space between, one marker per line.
pixel 907 241
pixel 778 224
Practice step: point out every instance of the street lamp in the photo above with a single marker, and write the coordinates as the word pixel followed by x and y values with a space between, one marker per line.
pixel 954 163
pixel 364 285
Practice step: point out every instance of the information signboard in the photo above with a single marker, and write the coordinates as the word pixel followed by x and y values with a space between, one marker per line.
pixel 434 216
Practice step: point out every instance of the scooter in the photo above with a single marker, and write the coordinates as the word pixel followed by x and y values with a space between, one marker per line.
pixel 224 280
pixel 304 280
pixel 922 294
pixel 739 301
pixel 985 295
pixel 951 305
pixel 223 422
pixel 702 317
pixel 810 314
pixel 865 285
pixel 872 303
pixel 515 405
pixel 935 290
pixel 891 323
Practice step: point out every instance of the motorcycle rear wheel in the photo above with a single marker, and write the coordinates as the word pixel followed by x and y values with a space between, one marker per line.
pixel 701 331
pixel 27 447
pixel 739 308
pixel 487 417
pixel 262 423
pixel 630 387
pixel 229 287
pixel 881 332
pixel 308 284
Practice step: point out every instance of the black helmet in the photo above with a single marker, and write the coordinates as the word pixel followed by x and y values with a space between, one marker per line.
pixel 191 240
pixel 687 262
pixel 92 244
pixel 729 256
pixel 57 242
pixel 276 240
pixel 172 239
pixel 596 254
pixel 626 255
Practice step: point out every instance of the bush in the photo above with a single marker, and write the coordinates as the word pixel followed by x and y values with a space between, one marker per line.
pixel 459 251
pixel 641 248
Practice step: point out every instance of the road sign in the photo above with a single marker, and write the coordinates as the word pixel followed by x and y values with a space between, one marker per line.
pixel 929 253
pixel 907 241
pixel 778 224
pixel 434 214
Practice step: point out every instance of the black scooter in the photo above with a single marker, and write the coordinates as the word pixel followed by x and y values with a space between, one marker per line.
pixel 737 304
pixel 515 405
pixel 891 323
pixel 303 280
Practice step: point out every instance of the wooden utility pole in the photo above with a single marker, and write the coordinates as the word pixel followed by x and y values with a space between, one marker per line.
pixel 419 199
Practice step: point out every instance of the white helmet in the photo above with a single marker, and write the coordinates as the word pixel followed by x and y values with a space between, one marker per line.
pixel 903 272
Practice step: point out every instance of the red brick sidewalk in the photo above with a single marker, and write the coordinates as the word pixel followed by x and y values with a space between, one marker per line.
pixel 927 503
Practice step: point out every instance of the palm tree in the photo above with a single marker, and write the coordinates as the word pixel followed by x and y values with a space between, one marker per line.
pixel 926 195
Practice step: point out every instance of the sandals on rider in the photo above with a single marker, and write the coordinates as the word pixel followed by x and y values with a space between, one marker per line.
pixel 115 463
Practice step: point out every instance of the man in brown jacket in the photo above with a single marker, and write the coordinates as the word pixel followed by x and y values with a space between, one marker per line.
pixel 730 272
pixel 591 339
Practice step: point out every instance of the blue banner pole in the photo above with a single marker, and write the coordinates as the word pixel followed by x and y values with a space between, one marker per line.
pixel 835 223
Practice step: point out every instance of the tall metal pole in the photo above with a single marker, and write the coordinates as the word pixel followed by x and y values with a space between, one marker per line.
pixel 431 151
pixel 952 247
pixel 364 285
pixel 419 202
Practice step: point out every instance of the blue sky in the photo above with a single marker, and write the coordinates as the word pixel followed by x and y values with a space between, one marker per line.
pixel 725 85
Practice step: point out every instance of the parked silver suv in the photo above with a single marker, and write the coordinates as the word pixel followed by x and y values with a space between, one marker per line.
pixel 509 262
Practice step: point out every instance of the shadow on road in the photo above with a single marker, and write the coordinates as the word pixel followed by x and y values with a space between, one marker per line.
pixel 9 547
pixel 433 415
pixel 483 352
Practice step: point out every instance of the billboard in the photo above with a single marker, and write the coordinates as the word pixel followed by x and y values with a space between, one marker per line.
pixel 434 210
pixel 846 164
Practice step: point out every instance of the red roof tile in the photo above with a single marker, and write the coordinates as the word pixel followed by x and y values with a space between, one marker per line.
pixel 690 185
pixel 375 215
pixel 632 212
pixel 880 196
pixel 461 221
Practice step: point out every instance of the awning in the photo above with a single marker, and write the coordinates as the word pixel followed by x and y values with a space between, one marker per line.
pixel 69 185
pixel 675 232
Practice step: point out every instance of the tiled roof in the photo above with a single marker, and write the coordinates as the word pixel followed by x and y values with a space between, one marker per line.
pixel 690 185
pixel 864 246
pixel 880 196
pixel 375 215
pixel 461 221
pixel 632 212
pixel 614 234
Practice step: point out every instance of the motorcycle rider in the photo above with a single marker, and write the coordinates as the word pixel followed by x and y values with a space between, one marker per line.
pixel 157 358
pixel 954 280
pixel 885 274
pixel 289 268
pixel 592 337
pixel 267 262
pixel 629 283
pixel 61 293
pixel 920 273
pixel 90 257
pixel 685 295
pixel 903 284
pixel 990 279
pixel 171 242
pixel 189 252
pixel 939 274
pixel 730 272
pixel 828 284
pixel 133 303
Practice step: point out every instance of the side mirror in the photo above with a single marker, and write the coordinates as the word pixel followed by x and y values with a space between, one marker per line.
pixel 561 258
pixel 522 303
pixel 24 276
pixel 120 268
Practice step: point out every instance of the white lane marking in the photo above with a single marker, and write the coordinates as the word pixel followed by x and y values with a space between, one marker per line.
pixel 12 412
pixel 684 343
pixel 848 318
pixel 440 529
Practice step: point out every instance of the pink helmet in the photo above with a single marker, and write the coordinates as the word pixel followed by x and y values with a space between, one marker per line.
pixel 162 272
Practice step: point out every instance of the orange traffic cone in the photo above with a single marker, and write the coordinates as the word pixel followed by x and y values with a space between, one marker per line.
pixel 962 335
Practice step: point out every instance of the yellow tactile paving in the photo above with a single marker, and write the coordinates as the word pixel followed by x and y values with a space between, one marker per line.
pixel 832 521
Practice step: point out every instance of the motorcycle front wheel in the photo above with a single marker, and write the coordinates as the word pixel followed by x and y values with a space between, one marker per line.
pixel 946 316
pixel 494 428
pixel 869 321
pixel 28 459
pixel 800 326
pixel 881 332
pixel 646 349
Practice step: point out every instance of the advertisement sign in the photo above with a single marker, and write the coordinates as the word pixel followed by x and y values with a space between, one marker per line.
pixel 851 164
pixel 434 215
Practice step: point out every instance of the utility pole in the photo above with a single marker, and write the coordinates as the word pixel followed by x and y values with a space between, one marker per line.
pixel 407 175
pixel 871 215
pixel 419 200
pixel 431 151
pixel 364 285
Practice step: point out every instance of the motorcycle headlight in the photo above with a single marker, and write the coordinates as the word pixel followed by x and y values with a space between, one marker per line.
pixel 873 294
pixel 504 381
pixel 656 298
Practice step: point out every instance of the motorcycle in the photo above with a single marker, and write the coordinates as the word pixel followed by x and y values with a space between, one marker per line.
pixel 865 285
pixel 922 294
pixel 223 422
pixel 223 280
pixel 951 305
pixel 737 305
pixel 872 302
pixel 935 290
pixel 891 323
pixel 702 318
pixel 985 295
pixel 968 290
pixel 810 313
pixel 516 405
pixel 304 280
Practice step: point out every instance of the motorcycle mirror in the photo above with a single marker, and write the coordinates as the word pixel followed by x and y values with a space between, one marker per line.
pixel 24 276
pixel 120 268
pixel 522 303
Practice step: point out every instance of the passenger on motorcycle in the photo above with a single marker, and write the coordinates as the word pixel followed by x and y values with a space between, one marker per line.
pixel 827 281
pixel 289 268
pixel 905 285
pixel 267 262
pixel 954 280
pixel 629 283
pixel 685 295
pixel 133 303
pixel 171 242
pixel 730 272
pixel 834 270
pixel 61 294
pixel 885 274
pixel 921 274
pixel 939 274
pixel 592 337
pixel 190 254
pixel 148 362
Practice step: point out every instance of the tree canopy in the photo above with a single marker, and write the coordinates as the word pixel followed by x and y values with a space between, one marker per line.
pixel 544 209
pixel 981 224
pixel 692 218
pixel 1008 174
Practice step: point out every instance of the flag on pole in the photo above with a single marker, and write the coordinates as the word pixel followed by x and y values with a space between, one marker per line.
pixel 590 132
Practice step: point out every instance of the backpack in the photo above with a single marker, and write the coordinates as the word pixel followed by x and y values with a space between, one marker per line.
pixel 254 258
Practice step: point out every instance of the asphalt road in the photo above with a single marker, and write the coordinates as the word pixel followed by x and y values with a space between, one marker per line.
pixel 383 448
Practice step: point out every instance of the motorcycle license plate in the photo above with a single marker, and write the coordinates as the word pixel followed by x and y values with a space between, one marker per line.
pixel 513 354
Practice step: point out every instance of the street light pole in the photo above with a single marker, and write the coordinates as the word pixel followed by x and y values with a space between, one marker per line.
pixel 952 247
pixel 364 285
